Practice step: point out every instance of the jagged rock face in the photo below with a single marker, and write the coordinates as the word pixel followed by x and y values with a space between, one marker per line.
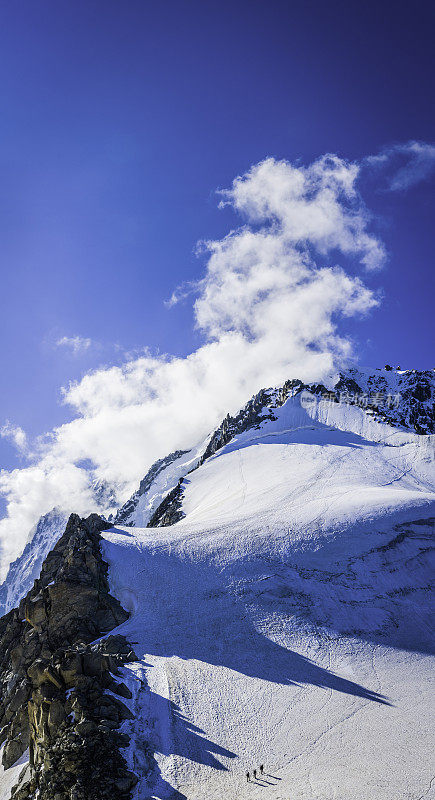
pixel 412 394
pixel 255 412
pixel 73 723
pixel 53 681
pixel 71 597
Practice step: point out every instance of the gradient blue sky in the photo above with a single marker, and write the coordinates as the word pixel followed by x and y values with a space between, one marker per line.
pixel 118 122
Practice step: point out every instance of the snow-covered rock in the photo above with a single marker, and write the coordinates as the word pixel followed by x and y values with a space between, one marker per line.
pixel 403 398
pixel 402 401
pixel 9 777
pixel 160 479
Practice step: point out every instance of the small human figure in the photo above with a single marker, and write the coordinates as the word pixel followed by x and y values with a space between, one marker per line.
pixel 248 777
pixel 261 769
pixel 255 774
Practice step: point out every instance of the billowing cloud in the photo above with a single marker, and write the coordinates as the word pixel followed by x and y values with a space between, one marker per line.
pixel 316 206
pixel 76 344
pixel 405 164
pixel 268 307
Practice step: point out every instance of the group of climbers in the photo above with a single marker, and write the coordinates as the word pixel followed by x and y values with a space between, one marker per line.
pixel 254 773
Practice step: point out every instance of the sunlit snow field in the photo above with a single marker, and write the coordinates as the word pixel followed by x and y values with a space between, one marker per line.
pixel 285 620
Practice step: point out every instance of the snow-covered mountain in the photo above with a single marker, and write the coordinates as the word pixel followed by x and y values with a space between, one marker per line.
pixel 402 398
pixel 285 617
pixel 277 577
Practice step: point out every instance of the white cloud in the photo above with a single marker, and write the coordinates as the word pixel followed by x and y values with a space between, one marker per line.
pixel 406 164
pixel 15 434
pixel 77 344
pixel 316 206
pixel 268 307
pixel 33 491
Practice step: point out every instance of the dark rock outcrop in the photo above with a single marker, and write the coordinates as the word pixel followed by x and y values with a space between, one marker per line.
pixel 54 683
pixel 251 416
pixel 170 510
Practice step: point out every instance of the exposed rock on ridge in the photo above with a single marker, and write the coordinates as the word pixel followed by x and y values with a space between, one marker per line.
pixel 170 510
pixel 255 412
pixel 54 682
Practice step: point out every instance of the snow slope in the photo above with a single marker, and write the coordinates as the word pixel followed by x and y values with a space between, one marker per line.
pixel 286 618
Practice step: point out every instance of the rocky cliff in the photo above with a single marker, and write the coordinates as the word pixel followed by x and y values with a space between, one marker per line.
pixel 60 697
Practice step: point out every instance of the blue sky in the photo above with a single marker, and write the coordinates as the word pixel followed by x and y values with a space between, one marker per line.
pixel 118 123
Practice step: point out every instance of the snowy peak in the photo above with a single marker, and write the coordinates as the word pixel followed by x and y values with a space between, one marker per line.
pixel 363 403
pixel 290 616
pixel 105 497
pixel 256 411
pixel 360 401
pixel 284 601
pixel 400 398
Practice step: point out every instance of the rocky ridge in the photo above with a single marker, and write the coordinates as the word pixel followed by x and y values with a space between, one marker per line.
pixel 170 509
pixel 59 694
pixel 402 398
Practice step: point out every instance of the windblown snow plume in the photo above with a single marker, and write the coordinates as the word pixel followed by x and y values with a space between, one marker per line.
pixel 267 306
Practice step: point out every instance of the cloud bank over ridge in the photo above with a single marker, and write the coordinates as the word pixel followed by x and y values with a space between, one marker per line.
pixel 268 308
